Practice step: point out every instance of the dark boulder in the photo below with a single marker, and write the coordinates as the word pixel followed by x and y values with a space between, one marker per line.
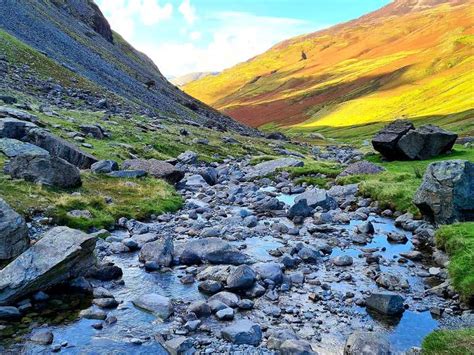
pixel 300 209
pixel 446 194
pixel 94 131
pixel 46 170
pixel 386 303
pixel 212 250
pixel 104 166
pixel 386 140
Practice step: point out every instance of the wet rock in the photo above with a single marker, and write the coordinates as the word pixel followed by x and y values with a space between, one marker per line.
pixel 246 304
pixel 105 302
pixel 243 332
pixel 366 228
pixel 156 168
pixel 92 313
pixel 104 167
pixel 228 298
pixel 366 343
pixel 61 254
pixel 159 252
pixel 241 278
pixel 390 281
pixel 300 209
pixel 188 157
pixel 217 305
pixel 412 255
pixel 296 347
pixel 13 232
pixel 269 204
pixel 45 170
pixel 342 260
pixel 159 305
pixel 362 167
pixel 105 272
pixel 212 250
pixel 180 346
pixel 210 287
pixel 446 194
pixel 269 167
pixel 9 313
pixel 269 271
pixel 317 198
pixel 225 314
pixel 386 303
pixel 397 238
pixel 43 337
pixel 309 255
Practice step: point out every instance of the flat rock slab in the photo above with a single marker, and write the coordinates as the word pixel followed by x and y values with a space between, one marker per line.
pixel 12 148
pixel 156 168
pixel 269 167
pixel 160 306
pixel 21 115
pixel 61 254
pixel 211 250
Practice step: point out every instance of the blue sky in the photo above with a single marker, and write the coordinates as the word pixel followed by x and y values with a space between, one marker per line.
pixel 184 36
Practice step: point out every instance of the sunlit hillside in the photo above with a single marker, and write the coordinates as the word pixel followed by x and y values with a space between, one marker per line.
pixel 410 58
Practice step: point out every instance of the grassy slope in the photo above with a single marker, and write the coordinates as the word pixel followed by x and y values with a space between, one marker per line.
pixel 449 342
pixel 415 65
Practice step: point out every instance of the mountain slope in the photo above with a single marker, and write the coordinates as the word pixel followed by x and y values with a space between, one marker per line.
pixel 411 58
pixel 75 34
pixel 189 78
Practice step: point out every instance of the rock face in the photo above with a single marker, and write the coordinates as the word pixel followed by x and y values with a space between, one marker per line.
pixel 365 343
pixel 269 167
pixel 46 170
pixel 212 250
pixel 401 141
pixel 61 254
pixel 243 332
pixel 13 232
pixel 446 194
pixel 156 168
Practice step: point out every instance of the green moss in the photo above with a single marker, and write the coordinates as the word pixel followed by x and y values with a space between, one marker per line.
pixel 458 242
pixel 449 342
pixel 262 158
pixel 314 181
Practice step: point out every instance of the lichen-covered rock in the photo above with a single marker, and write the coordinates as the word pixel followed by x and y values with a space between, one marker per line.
pixel 61 254
pixel 13 232
pixel 446 194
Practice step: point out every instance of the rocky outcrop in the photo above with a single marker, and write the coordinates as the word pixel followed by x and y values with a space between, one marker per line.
pixel 13 233
pixel 401 141
pixel 446 194
pixel 45 170
pixel 156 168
pixel 269 167
pixel 61 254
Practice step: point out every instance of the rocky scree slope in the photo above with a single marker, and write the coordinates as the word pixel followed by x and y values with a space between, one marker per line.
pixel 77 36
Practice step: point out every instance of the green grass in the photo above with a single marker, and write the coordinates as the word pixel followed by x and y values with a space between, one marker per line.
pixel 458 242
pixel 449 342
pixel 314 168
pixel 396 187
pixel 261 159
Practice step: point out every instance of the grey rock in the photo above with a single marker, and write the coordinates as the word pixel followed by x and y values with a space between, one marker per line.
pixel 212 250
pixel 228 298
pixel 156 168
pixel 13 232
pixel 160 252
pixel 93 130
pixel 18 114
pixel 9 313
pixel 362 167
pixel 159 305
pixel 104 166
pixel 391 282
pixel 446 194
pixel 225 314
pixel 366 343
pixel 300 209
pixel 317 198
pixel 269 271
pixel 243 332
pixel 61 254
pixel 200 308
pixel 42 336
pixel 46 170
pixel 210 175
pixel 342 260
pixel 366 228
pixel 12 147
pixel 241 278
pixel 269 167
pixel 188 157
pixel 128 174
pixel 210 287
pixel 387 139
pixel 386 303
pixel 296 347
pixel 279 336
pixel 180 346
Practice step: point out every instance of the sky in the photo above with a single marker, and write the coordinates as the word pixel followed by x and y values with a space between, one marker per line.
pixel 185 36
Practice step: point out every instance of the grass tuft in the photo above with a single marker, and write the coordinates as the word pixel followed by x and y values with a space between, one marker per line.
pixel 449 342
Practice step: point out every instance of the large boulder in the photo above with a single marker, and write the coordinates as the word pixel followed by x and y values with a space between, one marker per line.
pixel 317 198
pixel 426 142
pixel 386 140
pixel 446 194
pixel 44 169
pixel 156 168
pixel 60 255
pixel 269 167
pixel 212 250
pixel 13 233
pixel 159 252
pixel 14 128
pixel 367 343
pixel 386 303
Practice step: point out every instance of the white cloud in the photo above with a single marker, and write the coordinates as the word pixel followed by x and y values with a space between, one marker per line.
pixel 237 37
pixel 195 35
pixel 123 15
pixel 188 11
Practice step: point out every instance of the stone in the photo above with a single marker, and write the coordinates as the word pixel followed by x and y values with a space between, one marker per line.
pixel 13 233
pixel 42 336
pixel 243 332
pixel 188 157
pixel 278 337
pixel 391 282
pixel 18 114
pixel 365 228
pixel 210 175
pixel 91 313
pixel 300 209
pixel 61 254
pixel 386 303
pixel 128 174
pixel 269 271
pixel 12 148
pixel 9 313
pixel 296 347
pixel 94 131
pixel 210 287
pixel 342 260
pixel 160 252
pixel 180 346
pixel 269 167
pixel 104 166
pixel 156 304
pixel 399 238
pixel 45 170
pixel 105 302
pixel 386 140
pixel 362 168
pixel 228 298
pixel 225 314
pixel 241 278
pixel 200 308
pixel 426 142
pixel 105 272
pixel 367 343
pixel 156 168
pixel 212 250
pixel 317 198
pixel 446 194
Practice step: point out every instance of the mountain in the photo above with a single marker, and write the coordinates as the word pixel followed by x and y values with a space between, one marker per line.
pixel 189 78
pixel 411 58
pixel 75 35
